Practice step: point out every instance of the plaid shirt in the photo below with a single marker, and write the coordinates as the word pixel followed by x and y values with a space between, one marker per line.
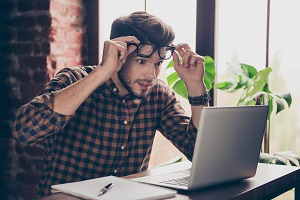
pixel 107 135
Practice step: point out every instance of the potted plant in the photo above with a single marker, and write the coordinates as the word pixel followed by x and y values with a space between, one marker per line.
pixel 255 90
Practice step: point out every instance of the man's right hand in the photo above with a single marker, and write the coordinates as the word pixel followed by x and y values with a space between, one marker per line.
pixel 115 52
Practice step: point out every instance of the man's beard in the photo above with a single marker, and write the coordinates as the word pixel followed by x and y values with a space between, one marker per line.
pixel 126 83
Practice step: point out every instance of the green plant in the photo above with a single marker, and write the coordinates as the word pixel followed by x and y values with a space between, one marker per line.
pixel 178 85
pixel 256 91
pixel 280 158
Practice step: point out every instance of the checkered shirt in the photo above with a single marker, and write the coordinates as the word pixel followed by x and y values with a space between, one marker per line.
pixel 107 135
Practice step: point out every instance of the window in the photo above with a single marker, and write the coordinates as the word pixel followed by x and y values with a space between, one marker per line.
pixel 284 54
pixel 241 37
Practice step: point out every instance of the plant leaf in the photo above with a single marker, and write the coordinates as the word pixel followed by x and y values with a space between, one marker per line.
pixel 242 83
pixel 172 78
pixel 259 81
pixel 288 98
pixel 279 103
pixel 266 88
pixel 249 70
pixel 170 65
pixel 267 158
pixel 278 160
pixel 251 103
pixel 264 157
pixel 210 72
pixel 271 107
pixel 292 158
pixel 179 88
pixel 208 84
pixel 224 85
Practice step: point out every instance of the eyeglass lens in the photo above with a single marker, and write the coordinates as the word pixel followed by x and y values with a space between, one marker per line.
pixel 165 52
pixel 146 50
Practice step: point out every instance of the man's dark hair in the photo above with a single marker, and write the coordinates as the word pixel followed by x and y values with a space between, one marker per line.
pixel 145 27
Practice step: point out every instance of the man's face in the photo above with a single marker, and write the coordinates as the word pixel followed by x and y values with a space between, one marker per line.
pixel 139 74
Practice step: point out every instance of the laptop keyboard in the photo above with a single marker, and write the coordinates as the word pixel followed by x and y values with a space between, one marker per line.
pixel 182 181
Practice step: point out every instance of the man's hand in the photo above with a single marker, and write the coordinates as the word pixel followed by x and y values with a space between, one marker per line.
pixel 115 53
pixel 191 70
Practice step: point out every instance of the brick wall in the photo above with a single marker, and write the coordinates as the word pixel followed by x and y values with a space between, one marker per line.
pixel 67 35
pixel 36 37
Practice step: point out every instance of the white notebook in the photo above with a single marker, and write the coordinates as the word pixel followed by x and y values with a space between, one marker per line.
pixel 122 189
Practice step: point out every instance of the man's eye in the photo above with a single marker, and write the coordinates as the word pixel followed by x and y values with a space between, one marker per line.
pixel 158 63
pixel 141 61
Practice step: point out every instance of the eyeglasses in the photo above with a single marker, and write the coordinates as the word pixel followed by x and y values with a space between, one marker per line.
pixel 146 50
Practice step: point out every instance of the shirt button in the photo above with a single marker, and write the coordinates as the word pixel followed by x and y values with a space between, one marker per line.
pixel 50 111
pixel 115 89
pixel 125 122
pixel 115 171
pixel 124 101
pixel 122 147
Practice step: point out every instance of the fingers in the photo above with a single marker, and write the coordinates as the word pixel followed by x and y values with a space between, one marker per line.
pixel 182 48
pixel 196 60
pixel 176 60
pixel 118 46
pixel 189 58
pixel 122 54
pixel 127 39
pixel 126 50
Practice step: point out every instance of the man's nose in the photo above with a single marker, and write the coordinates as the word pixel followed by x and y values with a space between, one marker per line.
pixel 151 72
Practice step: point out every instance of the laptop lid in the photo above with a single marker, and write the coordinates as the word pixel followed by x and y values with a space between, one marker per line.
pixel 228 144
pixel 227 147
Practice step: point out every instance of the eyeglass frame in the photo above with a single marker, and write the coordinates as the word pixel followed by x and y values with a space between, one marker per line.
pixel 172 48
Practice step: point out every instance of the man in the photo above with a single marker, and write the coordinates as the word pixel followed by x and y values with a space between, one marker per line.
pixel 101 120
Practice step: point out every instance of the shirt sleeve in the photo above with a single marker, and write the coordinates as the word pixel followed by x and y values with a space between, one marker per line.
pixel 177 126
pixel 36 120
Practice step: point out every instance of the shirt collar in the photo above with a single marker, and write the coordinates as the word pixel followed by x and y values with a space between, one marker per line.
pixel 111 86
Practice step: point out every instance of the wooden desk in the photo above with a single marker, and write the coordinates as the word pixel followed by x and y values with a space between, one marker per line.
pixel 270 181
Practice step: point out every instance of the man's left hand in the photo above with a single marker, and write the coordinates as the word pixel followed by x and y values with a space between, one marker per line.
pixel 191 70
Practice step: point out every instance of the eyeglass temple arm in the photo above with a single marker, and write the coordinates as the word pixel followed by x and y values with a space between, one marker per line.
pixel 131 43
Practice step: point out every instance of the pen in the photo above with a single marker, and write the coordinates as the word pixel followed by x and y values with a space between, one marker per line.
pixel 105 189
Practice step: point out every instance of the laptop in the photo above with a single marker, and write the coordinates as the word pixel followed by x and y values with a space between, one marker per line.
pixel 227 149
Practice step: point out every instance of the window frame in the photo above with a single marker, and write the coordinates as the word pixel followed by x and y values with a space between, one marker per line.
pixel 205 31
pixel 92 18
